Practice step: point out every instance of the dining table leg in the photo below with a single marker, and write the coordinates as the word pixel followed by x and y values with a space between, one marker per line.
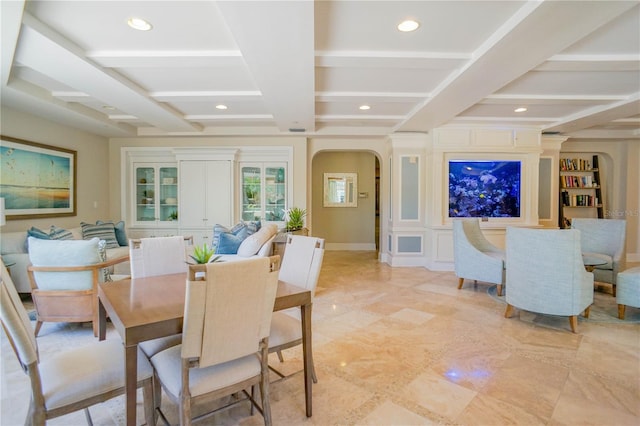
pixel 131 378
pixel 305 311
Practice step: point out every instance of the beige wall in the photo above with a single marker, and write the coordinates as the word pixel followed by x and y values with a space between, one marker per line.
pixel 352 227
pixel 93 168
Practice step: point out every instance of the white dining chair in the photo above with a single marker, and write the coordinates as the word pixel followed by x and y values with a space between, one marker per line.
pixel 224 349
pixel 300 266
pixel 72 380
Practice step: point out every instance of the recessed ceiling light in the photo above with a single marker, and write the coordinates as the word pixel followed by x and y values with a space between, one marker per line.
pixel 221 106
pixel 521 109
pixel 364 107
pixel 108 107
pixel 408 25
pixel 139 24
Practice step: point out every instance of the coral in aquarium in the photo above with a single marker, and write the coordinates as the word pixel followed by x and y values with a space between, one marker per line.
pixel 484 189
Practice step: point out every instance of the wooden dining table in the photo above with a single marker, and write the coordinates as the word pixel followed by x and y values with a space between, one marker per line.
pixel 151 307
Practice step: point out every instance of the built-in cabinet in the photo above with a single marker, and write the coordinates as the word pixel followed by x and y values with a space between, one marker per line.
pixel 264 191
pixel 186 191
pixel 580 189
pixel 206 197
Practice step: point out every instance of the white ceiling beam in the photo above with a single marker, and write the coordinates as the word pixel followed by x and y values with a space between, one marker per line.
pixel 10 22
pixel 56 57
pixel 597 116
pixel 536 32
pixel 279 53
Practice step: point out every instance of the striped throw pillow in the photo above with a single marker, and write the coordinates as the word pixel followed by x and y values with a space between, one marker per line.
pixel 105 231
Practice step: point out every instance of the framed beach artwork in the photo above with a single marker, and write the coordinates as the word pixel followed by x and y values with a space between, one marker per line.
pixel 36 180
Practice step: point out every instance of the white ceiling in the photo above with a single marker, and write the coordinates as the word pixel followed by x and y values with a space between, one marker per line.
pixel 308 66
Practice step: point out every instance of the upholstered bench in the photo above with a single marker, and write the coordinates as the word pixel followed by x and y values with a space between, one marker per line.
pixel 628 293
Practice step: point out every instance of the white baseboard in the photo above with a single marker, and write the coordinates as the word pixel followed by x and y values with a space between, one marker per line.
pixel 350 246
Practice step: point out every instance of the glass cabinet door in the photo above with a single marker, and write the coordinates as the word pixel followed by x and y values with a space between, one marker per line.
pixel 251 193
pixel 156 193
pixel 145 194
pixel 168 185
pixel 275 193
pixel 264 191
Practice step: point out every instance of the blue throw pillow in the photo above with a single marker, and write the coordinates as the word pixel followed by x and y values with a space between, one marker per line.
pixel 239 229
pixel 252 227
pixel 38 233
pixel 229 243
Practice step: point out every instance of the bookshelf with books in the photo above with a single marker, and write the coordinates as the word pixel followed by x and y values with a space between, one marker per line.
pixel 580 189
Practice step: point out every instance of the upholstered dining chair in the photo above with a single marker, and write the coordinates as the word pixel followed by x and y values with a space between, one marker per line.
pixel 64 277
pixel 474 257
pixel 546 274
pixel 300 266
pixel 225 337
pixel 158 256
pixel 71 380
pixel 604 239
pixel 151 257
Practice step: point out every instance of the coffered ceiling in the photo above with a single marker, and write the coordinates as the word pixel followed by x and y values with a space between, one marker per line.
pixel 305 67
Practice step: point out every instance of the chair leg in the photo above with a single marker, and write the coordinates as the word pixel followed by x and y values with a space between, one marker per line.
pixel 253 398
pixel 573 322
pixel 499 289
pixel 264 393
pixel 280 356
pixel 621 311
pixel 509 311
pixel 148 396
pixel 460 282
pixel 35 416
pixel 38 326
pixel 587 311
pixel 614 290
pixel 87 415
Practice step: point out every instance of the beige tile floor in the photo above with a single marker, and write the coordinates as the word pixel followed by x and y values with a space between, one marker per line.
pixel 403 346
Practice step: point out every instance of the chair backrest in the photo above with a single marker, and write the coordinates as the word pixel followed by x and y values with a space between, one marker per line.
pixel 467 232
pixel 606 236
pixel 158 256
pixel 64 253
pixel 302 261
pixel 545 271
pixel 228 312
pixel 16 323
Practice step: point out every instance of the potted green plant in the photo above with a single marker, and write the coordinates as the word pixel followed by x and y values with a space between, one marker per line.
pixel 203 254
pixel 173 215
pixel 294 218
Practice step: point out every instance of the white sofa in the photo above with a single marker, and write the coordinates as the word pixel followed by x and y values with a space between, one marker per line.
pixel 13 248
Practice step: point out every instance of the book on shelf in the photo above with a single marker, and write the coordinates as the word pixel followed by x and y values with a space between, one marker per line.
pixel 568 164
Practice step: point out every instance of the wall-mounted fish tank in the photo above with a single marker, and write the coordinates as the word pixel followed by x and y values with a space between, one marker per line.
pixel 484 188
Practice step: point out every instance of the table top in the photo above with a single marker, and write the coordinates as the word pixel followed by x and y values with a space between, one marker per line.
pixel 150 307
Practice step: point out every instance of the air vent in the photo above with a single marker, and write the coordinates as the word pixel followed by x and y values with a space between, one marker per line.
pixel 297 130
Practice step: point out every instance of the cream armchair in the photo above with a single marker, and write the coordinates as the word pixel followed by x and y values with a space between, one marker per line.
pixel 474 256
pixel 604 239
pixel 546 274
pixel 64 276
